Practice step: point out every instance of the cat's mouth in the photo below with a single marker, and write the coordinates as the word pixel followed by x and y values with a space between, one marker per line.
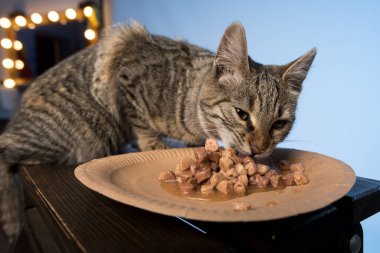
pixel 264 155
pixel 254 153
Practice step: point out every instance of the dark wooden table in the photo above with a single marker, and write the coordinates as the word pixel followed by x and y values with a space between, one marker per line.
pixel 65 216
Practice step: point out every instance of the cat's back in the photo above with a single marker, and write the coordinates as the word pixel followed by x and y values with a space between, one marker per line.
pixel 132 48
pixel 59 120
pixel 77 68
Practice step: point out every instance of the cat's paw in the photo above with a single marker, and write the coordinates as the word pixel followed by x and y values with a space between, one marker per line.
pixel 145 145
pixel 158 145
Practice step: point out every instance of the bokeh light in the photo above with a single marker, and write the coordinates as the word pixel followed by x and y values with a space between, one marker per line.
pixel 53 16
pixel 20 21
pixel 88 10
pixel 6 43
pixel 71 13
pixel 89 34
pixel 9 83
pixel 36 18
pixel 8 63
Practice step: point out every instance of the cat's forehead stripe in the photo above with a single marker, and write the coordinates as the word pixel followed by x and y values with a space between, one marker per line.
pixel 266 93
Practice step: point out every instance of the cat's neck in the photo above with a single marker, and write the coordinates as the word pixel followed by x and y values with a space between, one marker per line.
pixel 202 66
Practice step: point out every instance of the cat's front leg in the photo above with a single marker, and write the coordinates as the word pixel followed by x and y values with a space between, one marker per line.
pixel 148 140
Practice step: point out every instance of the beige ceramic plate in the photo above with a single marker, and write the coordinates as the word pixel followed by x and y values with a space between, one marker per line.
pixel 132 179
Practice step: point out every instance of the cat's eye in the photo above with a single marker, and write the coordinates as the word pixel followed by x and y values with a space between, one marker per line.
pixel 279 124
pixel 242 114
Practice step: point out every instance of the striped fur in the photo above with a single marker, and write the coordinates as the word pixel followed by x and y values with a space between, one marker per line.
pixel 135 85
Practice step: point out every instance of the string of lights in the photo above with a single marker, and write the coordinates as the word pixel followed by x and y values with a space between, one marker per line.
pixel 18 21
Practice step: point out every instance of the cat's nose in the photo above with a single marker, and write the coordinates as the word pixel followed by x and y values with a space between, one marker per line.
pixel 257 146
pixel 257 149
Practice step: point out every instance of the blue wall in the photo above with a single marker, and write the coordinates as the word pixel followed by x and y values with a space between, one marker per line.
pixel 338 113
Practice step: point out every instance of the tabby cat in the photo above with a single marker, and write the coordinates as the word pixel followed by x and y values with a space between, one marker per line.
pixel 135 85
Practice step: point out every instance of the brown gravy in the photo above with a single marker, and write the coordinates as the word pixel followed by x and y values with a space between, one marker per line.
pixel 173 189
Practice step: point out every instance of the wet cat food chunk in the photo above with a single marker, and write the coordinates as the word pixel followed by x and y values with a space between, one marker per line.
pixel 225 186
pixel 185 164
pixel 236 159
pixel 243 179
pixel 270 173
pixel 216 178
pixel 194 168
pixel 228 152
pixel 211 145
pixel 214 166
pixel 254 179
pixel 203 175
pixel 275 180
pixel 251 168
pixel 205 166
pixel 300 178
pixel 214 156
pixel 262 182
pixel 262 169
pixel 297 167
pixel 185 175
pixel 225 163
pixel 288 179
pixel 239 168
pixel 223 170
pixel 200 155
pixel 231 173
pixel 247 159
pixel 239 188
pixel 167 176
pixel 242 206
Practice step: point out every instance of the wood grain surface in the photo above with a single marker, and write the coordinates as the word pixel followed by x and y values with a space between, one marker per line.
pixel 86 222
pixel 81 220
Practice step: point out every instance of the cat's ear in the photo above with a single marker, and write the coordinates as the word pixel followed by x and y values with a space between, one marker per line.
pixel 295 72
pixel 231 61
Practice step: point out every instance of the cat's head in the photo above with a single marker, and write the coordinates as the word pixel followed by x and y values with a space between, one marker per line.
pixel 250 106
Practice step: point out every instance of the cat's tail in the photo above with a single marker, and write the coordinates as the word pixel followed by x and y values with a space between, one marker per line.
pixel 10 200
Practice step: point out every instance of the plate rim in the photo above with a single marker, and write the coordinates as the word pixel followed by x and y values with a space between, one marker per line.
pixel 81 173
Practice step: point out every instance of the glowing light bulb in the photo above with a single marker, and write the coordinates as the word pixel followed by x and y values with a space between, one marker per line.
pixel 31 26
pixel 89 34
pixel 53 16
pixel 9 83
pixel 6 43
pixel 20 21
pixel 87 11
pixel 36 18
pixel 71 14
pixel 17 45
pixel 5 23
pixel 19 64
pixel 8 63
